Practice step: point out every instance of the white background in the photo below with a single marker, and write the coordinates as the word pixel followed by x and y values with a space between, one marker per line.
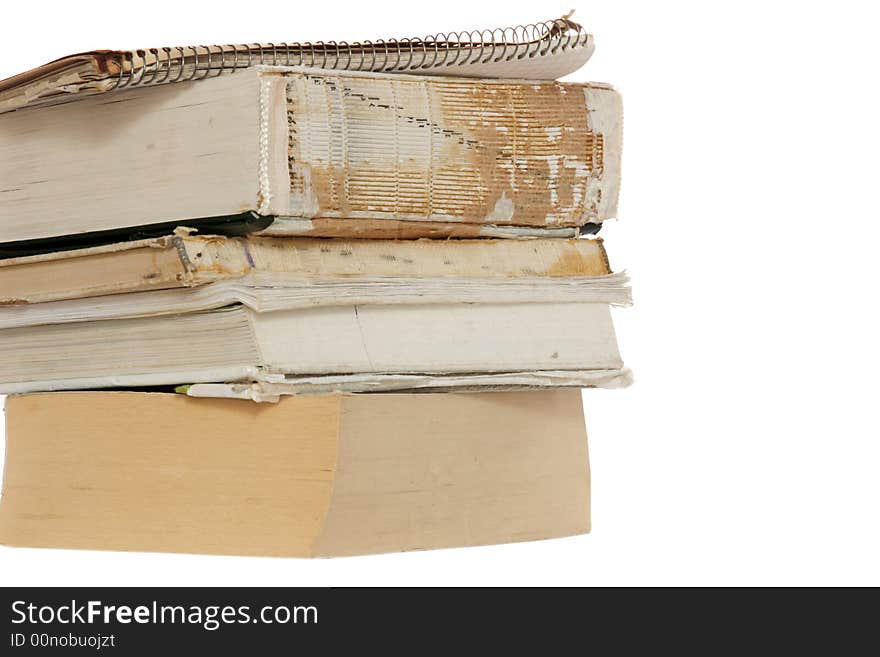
pixel 748 451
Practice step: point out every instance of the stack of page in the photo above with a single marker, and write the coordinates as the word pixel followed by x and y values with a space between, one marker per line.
pixel 306 299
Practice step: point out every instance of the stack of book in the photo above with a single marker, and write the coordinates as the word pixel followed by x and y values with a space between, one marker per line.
pixel 305 299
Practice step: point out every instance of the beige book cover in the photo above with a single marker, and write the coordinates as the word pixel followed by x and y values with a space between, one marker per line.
pixel 329 475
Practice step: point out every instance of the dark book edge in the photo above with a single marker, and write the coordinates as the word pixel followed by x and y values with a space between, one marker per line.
pixel 228 225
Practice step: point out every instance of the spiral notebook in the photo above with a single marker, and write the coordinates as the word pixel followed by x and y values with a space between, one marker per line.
pixel 545 50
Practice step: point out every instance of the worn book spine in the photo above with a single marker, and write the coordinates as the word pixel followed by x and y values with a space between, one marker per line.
pixel 374 148
pixel 185 260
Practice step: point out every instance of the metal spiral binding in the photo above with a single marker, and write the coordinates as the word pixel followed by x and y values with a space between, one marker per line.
pixel 184 63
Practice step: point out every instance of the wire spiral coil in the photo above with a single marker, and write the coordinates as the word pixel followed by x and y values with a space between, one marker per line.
pixel 452 49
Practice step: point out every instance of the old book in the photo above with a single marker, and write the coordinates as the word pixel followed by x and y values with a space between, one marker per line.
pixel 310 476
pixel 265 293
pixel 323 153
pixel 184 260
pixel 360 346
pixel 545 50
